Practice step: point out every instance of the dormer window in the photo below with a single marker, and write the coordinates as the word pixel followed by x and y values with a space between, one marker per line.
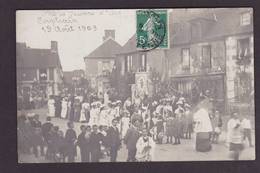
pixel 245 18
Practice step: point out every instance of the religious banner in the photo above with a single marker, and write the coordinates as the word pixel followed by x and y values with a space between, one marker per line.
pixel 141 82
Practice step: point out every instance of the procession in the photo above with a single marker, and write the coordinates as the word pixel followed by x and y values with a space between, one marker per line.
pixel 139 125
pixel 147 85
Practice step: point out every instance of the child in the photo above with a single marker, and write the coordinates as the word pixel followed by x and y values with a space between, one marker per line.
pixel 145 147
pixel 104 146
pixel 53 143
pixel 95 144
pixel 235 136
pixel 70 138
pixel 46 128
pixel 37 139
pixel 125 124
pixel 160 129
pixel 217 124
pixel 83 143
pixel 188 123
pixel 61 146
pixel 246 125
pixel 169 128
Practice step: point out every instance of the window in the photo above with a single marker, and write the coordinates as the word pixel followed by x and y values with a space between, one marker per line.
pixel 43 74
pixel 245 18
pixel 206 57
pixel 105 66
pixel 129 62
pixel 143 62
pixel 185 59
pixel 243 47
pixel 243 87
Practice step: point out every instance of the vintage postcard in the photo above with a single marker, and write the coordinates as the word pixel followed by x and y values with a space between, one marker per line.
pixel 135 85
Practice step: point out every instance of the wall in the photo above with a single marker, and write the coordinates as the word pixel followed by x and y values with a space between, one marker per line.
pixel 217 57
pixel 156 59
pixel 93 68
pixel 231 69
pixel 30 74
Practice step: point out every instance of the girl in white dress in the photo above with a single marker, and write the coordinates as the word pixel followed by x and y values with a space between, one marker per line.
pixel 64 106
pixel 51 107
pixel 84 109
pixel 125 122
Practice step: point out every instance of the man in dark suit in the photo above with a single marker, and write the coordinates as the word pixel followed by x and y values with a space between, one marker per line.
pixel 131 137
pixel 96 138
pixel 113 140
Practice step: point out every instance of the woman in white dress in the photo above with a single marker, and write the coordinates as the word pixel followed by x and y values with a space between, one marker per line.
pixel 64 106
pixel 103 117
pixel 84 110
pixel 125 123
pixel 51 107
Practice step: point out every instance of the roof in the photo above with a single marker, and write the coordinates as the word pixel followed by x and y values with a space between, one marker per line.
pixel 108 49
pixel 36 58
pixel 130 46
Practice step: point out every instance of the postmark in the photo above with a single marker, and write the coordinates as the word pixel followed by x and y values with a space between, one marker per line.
pixel 151 29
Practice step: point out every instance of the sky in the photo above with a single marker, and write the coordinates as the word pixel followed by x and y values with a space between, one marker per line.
pixel 78 32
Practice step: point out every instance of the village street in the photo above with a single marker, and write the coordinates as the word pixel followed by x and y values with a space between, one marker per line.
pixel 163 152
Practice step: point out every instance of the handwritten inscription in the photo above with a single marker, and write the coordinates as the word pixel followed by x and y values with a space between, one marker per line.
pixel 53 21
pixel 68 28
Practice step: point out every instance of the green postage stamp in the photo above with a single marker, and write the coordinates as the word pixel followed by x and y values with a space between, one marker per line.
pixel 152 29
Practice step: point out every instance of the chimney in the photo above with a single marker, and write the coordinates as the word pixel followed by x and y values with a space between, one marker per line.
pixel 109 33
pixel 54 46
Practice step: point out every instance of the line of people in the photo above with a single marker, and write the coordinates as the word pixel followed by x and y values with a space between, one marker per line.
pixel 139 124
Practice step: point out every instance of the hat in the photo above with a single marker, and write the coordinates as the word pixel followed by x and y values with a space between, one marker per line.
pixel 181 99
pixel 179 102
pixel 30 115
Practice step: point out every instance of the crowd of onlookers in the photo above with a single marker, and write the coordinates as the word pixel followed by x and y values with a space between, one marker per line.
pixel 106 124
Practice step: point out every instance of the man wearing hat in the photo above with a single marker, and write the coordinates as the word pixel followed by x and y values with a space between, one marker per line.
pixel 113 138
pixel 130 139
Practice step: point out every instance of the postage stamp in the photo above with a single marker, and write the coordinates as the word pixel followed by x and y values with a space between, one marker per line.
pixel 151 29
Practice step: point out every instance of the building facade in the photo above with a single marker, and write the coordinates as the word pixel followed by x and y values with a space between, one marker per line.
pixel 100 63
pixel 208 52
pixel 39 71
pixel 210 49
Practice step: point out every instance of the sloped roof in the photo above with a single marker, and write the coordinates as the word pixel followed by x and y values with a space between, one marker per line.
pixel 36 58
pixel 106 50
pixel 130 46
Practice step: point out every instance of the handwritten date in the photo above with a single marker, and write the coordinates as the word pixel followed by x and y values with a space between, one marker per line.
pixel 69 28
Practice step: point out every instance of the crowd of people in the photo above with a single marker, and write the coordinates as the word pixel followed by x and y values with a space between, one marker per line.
pixel 139 123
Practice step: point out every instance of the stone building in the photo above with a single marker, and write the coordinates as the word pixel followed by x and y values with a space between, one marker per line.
pixel 101 61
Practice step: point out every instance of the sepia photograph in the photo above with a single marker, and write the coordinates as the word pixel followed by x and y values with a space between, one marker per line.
pixel 135 85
